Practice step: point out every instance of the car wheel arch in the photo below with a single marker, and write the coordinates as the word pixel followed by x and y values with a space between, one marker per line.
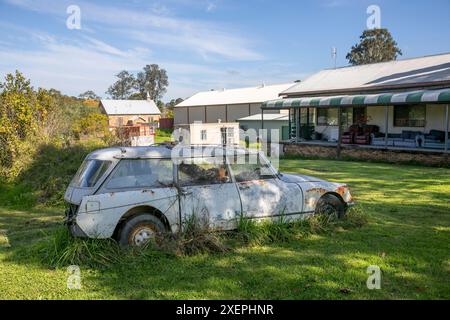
pixel 338 197
pixel 141 210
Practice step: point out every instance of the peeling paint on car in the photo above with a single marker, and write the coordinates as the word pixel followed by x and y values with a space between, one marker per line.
pixel 98 211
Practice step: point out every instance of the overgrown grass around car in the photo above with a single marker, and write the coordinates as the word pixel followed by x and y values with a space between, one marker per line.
pixel 401 224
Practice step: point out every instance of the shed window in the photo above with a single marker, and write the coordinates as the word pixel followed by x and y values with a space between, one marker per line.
pixel 203 135
pixel 409 116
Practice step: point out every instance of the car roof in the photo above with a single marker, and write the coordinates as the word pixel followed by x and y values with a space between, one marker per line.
pixel 167 152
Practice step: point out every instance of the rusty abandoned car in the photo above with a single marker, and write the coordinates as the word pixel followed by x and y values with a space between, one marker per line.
pixel 133 194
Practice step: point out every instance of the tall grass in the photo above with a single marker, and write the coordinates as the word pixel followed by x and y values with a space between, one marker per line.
pixel 196 237
pixel 254 232
pixel 61 249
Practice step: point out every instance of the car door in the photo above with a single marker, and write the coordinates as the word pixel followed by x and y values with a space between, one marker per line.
pixel 207 192
pixel 262 193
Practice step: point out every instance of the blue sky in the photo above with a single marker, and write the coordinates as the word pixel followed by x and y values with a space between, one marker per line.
pixel 203 44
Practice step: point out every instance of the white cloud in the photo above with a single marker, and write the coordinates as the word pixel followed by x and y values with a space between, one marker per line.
pixel 203 38
pixel 87 60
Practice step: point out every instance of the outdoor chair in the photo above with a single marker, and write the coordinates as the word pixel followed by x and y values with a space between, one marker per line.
pixel 364 137
pixel 348 137
pixel 406 139
pixel 435 139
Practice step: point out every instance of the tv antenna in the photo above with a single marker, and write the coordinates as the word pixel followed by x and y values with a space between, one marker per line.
pixel 334 56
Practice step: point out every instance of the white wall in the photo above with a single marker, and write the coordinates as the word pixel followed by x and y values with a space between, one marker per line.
pixel 435 119
pixel 213 132
pixel 268 124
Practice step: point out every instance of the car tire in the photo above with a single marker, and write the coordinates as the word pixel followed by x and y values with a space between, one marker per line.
pixel 137 231
pixel 329 205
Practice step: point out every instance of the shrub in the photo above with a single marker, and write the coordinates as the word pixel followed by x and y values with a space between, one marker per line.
pixel 253 232
pixel 268 231
pixel 60 249
pixel 52 168
pixel 196 237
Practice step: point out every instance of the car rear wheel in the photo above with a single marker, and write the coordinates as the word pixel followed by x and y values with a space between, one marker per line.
pixel 330 205
pixel 140 230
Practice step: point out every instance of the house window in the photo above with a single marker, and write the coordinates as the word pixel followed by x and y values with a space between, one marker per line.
pixel 230 135
pixel 203 135
pixel 409 116
pixel 327 117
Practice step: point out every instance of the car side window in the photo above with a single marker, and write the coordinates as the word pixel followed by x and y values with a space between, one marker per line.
pixel 250 168
pixel 202 171
pixel 148 173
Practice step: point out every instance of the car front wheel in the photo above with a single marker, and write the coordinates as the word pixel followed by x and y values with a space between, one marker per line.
pixel 140 230
pixel 330 205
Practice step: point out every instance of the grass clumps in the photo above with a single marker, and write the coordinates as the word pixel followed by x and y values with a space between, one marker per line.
pixel 196 238
pixel 60 249
pixel 255 233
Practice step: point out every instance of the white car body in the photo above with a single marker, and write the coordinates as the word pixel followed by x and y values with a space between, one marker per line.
pixel 98 205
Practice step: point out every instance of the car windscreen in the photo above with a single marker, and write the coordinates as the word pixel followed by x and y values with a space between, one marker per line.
pixel 90 173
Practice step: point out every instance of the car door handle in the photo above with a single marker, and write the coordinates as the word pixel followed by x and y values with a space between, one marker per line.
pixel 185 193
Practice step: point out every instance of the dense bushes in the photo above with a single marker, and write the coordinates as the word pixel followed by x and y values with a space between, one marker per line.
pixel 40 131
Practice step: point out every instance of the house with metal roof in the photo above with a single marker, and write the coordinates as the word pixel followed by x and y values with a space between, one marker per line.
pixel 393 107
pixel 126 112
pixel 226 105
pixel 134 121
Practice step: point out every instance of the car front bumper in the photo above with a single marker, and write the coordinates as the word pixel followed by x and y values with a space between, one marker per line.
pixel 70 221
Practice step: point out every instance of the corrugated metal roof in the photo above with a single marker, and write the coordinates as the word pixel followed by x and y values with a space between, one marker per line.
pixel 267 117
pixel 235 96
pixel 394 74
pixel 130 107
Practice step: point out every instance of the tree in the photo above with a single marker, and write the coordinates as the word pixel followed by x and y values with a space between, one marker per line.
pixel 23 112
pixel 89 95
pixel 170 106
pixel 153 81
pixel 376 45
pixel 122 88
pixel 92 124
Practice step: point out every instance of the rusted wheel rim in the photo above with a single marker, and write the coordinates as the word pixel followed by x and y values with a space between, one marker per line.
pixel 142 235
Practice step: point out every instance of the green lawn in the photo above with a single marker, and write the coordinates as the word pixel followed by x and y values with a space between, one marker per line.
pixel 408 236
pixel 162 136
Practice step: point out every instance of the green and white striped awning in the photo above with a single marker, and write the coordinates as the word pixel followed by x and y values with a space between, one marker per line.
pixel 379 99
